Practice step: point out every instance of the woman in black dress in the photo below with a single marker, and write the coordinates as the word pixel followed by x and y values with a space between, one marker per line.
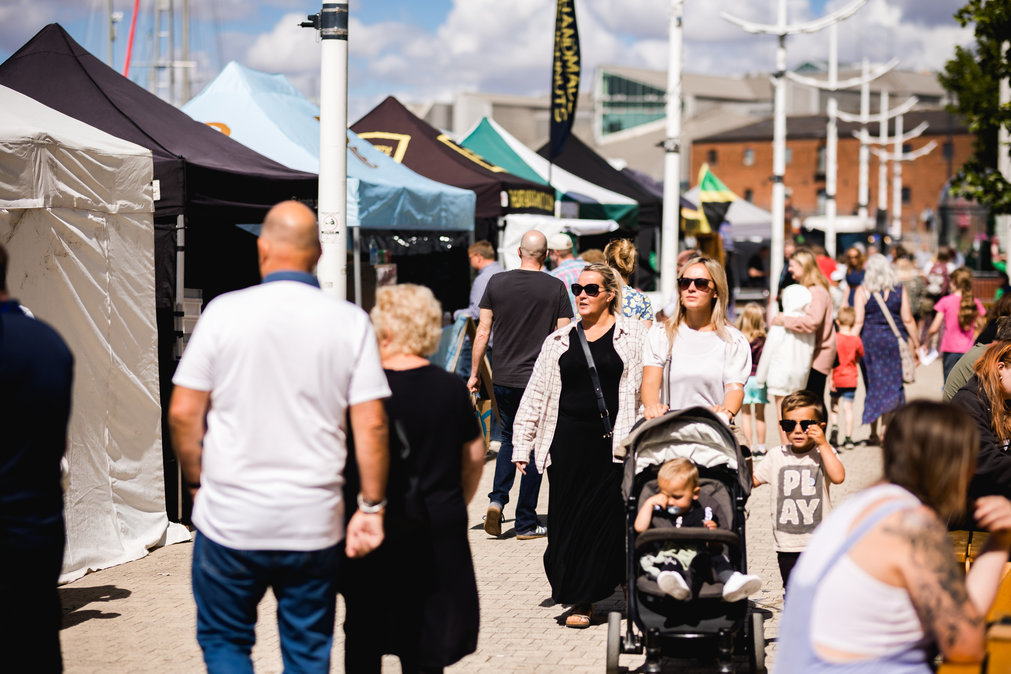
pixel 416 595
pixel 560 419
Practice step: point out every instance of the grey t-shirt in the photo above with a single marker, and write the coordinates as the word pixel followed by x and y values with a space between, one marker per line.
pixel 962 372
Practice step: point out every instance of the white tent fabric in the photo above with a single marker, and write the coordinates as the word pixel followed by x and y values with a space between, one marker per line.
pixel 518 224
pixel 76 215
pixel 844 224
pixel 747 221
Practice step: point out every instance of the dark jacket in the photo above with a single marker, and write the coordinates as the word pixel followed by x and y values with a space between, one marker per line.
pixel 993 465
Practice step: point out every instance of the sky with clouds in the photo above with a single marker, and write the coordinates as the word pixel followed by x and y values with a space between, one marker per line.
pixel 421 50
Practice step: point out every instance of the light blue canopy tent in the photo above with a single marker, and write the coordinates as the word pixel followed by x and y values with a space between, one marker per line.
pixel 266 113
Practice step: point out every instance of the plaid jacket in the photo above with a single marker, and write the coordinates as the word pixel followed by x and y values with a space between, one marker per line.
pixel 534 426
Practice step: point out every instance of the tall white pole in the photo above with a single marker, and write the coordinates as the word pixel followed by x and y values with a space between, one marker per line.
pixel 670 227
pixel 778 154
pixel 896 229
pixel 1004 155
pixel 882 162
pixel 333 124
pixel 865 154
pixel 831 145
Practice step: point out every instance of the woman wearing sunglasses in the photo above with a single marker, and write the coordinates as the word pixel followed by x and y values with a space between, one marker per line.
pixel 569 427
pixel 695 358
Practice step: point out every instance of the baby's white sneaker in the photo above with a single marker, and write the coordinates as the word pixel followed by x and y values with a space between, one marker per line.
pixel 740 586
pixel 673 584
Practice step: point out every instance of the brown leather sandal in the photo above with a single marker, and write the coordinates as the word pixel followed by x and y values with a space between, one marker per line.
pixel 580 617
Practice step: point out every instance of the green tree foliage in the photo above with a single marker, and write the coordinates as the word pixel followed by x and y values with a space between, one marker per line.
pixel 973 76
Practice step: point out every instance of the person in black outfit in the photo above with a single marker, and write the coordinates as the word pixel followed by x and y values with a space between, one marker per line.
pixel 416 595
pixel 36 376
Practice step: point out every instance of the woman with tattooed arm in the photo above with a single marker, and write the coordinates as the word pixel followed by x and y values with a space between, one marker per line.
pixel 878 588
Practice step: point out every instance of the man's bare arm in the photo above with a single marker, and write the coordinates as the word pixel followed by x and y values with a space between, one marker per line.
pixel 481 337
pixel 368 423
pixel 187 412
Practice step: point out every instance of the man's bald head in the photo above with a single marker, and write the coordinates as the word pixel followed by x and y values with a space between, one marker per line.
pixel 289 239
pixel 533 245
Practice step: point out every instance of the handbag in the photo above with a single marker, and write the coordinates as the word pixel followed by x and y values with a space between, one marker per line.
pixel 605 416
pixel 905 355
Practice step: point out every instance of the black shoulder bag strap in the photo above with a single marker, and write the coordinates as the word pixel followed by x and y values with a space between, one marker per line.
pixel 605 417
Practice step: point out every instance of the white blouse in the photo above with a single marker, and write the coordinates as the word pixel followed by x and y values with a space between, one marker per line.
pixel 702 363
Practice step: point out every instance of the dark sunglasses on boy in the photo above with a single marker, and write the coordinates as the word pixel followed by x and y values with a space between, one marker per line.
pixel 702 284
pixel 789 424
pixel 591 289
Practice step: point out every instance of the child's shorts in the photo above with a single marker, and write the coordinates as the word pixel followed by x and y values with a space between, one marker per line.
pixel 846 393
pixel 754 394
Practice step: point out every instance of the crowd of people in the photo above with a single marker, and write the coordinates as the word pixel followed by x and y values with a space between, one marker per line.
pixel 326 453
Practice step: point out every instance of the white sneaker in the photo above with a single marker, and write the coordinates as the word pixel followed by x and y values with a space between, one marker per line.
pixel 674 585
pixel 740 586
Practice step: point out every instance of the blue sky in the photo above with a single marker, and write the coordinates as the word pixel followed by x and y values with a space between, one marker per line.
pixel 424 50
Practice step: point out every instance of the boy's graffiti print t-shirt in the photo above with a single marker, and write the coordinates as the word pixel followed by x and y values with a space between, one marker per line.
pixel 799 499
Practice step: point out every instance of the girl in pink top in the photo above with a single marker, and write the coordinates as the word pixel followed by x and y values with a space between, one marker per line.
pixel 959 312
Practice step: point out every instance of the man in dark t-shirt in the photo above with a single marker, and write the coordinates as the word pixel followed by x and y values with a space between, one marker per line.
pixel 522 307
pixel 36 372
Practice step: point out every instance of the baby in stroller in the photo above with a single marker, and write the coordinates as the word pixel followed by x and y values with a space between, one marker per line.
pixel 679 567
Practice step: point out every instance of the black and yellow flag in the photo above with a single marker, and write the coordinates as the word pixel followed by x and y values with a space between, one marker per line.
pixel 714 200
pixel 564 76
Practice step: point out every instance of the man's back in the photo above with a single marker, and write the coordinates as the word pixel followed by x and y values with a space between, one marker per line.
pixel 283 362
pixel 526 306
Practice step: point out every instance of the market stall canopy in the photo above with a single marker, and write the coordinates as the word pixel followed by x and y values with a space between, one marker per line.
pixel 747 221
pixel 268 114
pixel 76 218
pixel 197 170
pixel 421 147
pixel 518 224
pixel 496 144
pixel 579 159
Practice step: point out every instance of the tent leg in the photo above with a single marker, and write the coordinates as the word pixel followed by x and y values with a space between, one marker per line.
pixel 179 312
pixel 356 245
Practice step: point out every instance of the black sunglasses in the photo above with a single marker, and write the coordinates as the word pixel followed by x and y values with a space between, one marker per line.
pixel 702 284
pixel 789 424
pixel 592 289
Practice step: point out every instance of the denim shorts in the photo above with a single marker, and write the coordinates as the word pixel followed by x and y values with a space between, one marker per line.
pixel 844 392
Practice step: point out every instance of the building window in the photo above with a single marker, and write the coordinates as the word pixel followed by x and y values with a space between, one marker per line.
pixel 907 195
pixel 711 157
pixel 906 148
pixel 788 155
pixel 820 169
pixel 822 198
pixel 627 103
pixel 749 156
pixel 749 195
pixel 949 150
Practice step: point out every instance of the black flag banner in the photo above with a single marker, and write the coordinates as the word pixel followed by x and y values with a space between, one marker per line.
pixel 564 75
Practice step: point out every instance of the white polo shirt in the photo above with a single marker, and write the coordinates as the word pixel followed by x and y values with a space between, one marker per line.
pixel 283 362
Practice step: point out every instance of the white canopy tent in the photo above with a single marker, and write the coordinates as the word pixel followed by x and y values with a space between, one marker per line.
pixel 76 213
pixel 518 224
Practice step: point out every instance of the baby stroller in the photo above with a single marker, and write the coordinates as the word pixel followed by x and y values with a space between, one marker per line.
pixel 671 628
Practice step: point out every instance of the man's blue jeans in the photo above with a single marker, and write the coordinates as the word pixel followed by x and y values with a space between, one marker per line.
pixel 228 585
pixel 508 400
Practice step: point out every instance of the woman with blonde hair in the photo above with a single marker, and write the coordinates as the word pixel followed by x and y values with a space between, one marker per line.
pixel 436 457
pixel 695 357
pixel 882 365
pixel 855 260
pixel 816 320
pixel 621 255
pixel 878 589
pixel 568 425
pixel 987 398
pixel 959 312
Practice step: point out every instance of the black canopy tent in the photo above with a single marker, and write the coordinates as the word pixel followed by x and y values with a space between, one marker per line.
pixel 424 149
pixel 204 181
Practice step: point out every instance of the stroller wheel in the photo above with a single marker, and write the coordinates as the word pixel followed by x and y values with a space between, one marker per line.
pixel 757 645
pixel 613 642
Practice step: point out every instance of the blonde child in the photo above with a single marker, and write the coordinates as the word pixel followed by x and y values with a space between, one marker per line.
pixel 672 501
pixel 844 377
pixel 800 472
pixel 751 323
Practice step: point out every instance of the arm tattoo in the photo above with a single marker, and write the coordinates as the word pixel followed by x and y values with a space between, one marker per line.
pixel 937 589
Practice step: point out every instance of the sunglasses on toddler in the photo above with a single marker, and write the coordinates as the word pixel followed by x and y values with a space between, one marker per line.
pixel 702 284
pixel 591 289
pixel 789 424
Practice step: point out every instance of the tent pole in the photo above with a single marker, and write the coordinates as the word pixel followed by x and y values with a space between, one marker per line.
pixel 179 311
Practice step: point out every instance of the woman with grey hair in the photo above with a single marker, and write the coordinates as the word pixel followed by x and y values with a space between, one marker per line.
pixel 436 455
pixel 562 419
pixel 882 365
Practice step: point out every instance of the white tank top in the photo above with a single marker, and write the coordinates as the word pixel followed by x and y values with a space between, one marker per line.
pixel 857 613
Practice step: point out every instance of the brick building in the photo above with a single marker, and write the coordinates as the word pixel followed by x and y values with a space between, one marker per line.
pixel 742 158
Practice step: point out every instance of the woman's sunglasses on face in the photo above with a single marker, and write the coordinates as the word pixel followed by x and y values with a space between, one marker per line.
pixel 789 424
pixel 591 289
pixel 701 284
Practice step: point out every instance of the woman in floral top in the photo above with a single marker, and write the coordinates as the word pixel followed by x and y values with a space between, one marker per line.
pixel 621 256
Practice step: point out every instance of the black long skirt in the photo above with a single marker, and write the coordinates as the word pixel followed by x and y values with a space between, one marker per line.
pixel 585 557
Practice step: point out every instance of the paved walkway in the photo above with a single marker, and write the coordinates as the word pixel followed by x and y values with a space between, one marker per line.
pixel 140 616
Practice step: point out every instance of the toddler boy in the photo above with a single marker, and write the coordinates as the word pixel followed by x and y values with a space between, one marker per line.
pixel 844 376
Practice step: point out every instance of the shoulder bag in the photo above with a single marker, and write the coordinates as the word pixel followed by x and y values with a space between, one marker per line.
pixel 905 355
pixel 605 416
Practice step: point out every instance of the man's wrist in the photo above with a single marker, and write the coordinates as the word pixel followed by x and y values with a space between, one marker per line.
pixel 370 507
